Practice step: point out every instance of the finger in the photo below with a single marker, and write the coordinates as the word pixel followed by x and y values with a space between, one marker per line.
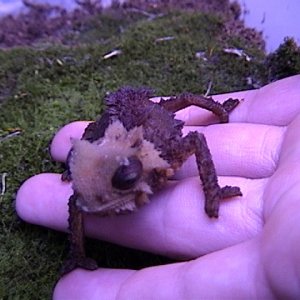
pixel 100 284
pixel 239 149
pixel 274 104
pixel 234 273
pixel 61 143
pixel 43 200
pixel 247 150
pixel 173 223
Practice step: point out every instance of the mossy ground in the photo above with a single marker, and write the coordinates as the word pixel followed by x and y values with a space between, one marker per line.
pixel 45 87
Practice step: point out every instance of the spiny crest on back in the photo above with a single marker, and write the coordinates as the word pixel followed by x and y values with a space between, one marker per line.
pixel 129 104
pixel 128 95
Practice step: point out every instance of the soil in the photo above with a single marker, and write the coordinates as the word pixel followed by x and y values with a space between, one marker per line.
pixel 54 24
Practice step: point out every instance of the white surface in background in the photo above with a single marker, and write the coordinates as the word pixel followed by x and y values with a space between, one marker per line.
pixel 7 7
pixel 275 18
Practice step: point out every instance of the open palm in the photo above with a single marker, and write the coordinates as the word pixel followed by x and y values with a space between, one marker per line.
pixel 252 250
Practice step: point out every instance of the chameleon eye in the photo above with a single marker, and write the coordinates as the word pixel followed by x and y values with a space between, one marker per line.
pixel 127 175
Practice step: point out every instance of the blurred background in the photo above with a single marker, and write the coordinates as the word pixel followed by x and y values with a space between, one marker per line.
pixel 276 19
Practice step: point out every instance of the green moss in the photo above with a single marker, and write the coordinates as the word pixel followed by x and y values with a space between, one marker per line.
pixel 42 89
pixel 101 29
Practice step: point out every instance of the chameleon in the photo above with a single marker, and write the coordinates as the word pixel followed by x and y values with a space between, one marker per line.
pixel 131 151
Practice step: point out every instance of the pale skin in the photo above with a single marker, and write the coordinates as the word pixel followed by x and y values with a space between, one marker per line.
pixel 251 252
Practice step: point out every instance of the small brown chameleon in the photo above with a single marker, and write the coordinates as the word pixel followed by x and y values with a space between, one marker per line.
pixel 129 153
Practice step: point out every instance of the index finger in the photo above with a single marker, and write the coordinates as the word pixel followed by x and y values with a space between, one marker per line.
pixel 274 104
pixel 61 143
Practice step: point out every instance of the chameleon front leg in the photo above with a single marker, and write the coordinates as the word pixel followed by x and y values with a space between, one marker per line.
pixel 77 257
pixel 184 100
pixel 195 143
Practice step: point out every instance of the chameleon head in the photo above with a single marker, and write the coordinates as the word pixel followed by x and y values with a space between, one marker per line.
pixel 111 175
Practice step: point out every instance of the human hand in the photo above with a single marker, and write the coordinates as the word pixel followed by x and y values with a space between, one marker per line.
pixel 251 252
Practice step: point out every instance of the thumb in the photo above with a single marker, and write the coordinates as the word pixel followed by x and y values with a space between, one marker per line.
pixel 228 274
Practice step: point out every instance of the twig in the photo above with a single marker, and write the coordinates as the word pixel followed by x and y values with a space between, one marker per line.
pixel 10 135
pixel 165 38
pixel 3 185
pixel 113 53
pixel 208 89
pixel 238 52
